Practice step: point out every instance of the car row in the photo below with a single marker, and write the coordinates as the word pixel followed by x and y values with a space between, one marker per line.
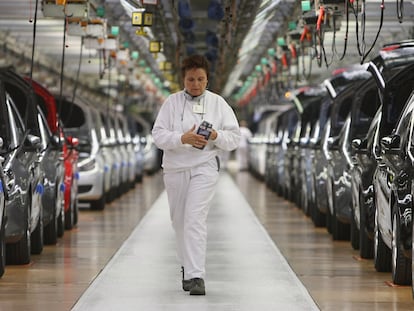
pixel 344 155
pixel 57 151
pixel 22 151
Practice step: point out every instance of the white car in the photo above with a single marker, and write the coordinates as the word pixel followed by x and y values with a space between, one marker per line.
pixel 79 121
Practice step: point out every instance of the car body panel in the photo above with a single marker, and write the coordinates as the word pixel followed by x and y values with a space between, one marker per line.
pixel 23 176
pixel 392 166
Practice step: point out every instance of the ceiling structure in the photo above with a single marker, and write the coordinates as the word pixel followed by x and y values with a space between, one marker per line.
pixel 102 50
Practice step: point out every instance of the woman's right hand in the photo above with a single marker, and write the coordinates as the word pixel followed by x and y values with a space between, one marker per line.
pixel 193 139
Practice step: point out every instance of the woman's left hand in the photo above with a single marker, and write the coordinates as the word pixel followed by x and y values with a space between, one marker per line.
pixel 213 135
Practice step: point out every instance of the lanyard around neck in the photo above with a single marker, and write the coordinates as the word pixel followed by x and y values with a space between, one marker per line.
pixel 195 108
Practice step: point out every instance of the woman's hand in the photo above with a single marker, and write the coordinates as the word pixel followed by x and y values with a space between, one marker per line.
pixel 213 135
pixel 193 139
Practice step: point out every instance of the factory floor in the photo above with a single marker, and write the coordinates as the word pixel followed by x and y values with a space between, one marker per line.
pixel 263 254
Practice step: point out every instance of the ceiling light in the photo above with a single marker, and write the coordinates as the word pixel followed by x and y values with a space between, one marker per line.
pixel 115 30
pixel 155 46
pixel 134 54
pixel 306 6
pixel 141 18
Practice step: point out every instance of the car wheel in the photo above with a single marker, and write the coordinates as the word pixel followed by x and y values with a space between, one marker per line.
pixel 74 200
pixel 99 204
pixel 382 254
pixel 69 216
pixel 279 188
pixel 401 265
pixel 366 244
pixel 318 218
pixel 36 237
pixel 412 261
pixel 329 213
pixel 354 232
pixel 19 253
pixel 304 198
pixel 340 230
pixel 139 178
pixel 110 195
pixel 328 219
pixel 2 247
pixel 50 231
pixel 61 224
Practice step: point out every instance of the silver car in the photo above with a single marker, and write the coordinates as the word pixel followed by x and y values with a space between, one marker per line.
pixel 78 121
pixel 23 178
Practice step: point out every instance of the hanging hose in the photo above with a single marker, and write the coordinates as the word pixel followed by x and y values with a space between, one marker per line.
pixel 26 115
pixel 318 36
pixel 62 66
pixel 346 31
pixel 305 36
pixel 34 40
pixel 108 104
pixel 78 72
pixel 400 10
pixel 362 45
pixel 68 116
pixel 305 74
pixel 356 25
pixel 377 35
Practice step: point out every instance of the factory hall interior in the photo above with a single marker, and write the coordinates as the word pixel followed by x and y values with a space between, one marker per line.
pixel 214 155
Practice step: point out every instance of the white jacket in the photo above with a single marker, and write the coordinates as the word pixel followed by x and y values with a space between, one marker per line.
pixel 177 116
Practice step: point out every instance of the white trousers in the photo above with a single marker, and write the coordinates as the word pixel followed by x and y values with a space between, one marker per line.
pixel 189 196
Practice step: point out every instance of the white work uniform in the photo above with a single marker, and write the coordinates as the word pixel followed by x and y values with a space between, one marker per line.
pixel 191 174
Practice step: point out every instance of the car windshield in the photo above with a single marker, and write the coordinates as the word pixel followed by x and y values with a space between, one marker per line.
pixel 341 111
pixel 394 56
pixel 365 111
pixel 340 82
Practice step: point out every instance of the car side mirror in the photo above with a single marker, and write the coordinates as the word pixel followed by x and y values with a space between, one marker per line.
pixel 359 144
pixel 333 141
pixel 73 141
pixel 32 142
pixel 356 143
pixel 56 141
pixel 390 142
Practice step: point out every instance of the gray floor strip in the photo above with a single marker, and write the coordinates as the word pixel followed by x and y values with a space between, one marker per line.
pixel 245 270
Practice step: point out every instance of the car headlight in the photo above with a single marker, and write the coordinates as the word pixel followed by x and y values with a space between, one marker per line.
pixel 87 165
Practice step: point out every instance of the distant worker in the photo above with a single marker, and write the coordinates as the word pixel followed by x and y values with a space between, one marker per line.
pixel 242 152
pixel 191 126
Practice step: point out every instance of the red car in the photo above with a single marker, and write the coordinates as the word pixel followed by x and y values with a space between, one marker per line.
pixel 69 156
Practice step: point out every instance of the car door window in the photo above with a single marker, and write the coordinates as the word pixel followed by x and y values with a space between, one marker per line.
pixel 45 132
pixel 16 123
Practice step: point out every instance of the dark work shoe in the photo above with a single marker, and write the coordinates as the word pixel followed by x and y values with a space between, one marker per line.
pixel 186 283
pixel 197 287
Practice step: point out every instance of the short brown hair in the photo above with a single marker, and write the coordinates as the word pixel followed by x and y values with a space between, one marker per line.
pixel 194 62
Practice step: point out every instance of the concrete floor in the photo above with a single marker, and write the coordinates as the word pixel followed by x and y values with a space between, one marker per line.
pixel 245 270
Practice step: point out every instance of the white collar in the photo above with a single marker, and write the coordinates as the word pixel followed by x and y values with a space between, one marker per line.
pixel 188 96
